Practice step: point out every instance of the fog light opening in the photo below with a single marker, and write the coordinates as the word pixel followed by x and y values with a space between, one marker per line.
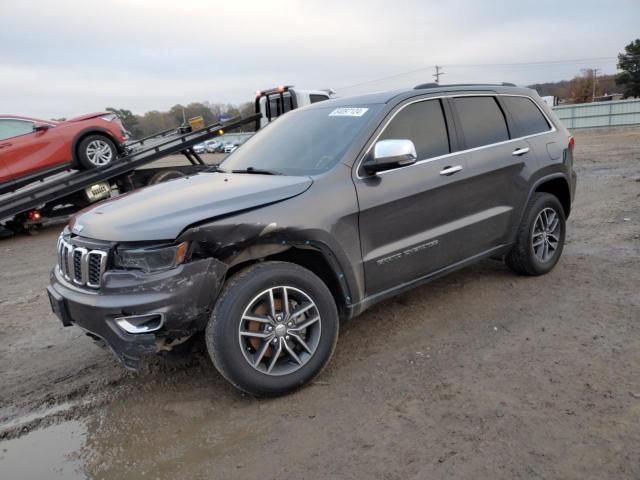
pixel 141 323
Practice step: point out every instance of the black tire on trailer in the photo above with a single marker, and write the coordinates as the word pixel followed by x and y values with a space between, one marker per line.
pixel 540 237
pixel 96 151
pixel 164 176
pixel 273 329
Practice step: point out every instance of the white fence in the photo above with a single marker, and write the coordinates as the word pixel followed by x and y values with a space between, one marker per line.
pixel 600 114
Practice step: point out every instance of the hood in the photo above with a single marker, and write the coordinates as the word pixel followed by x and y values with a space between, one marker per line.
pixel 88 116
pixel 162 211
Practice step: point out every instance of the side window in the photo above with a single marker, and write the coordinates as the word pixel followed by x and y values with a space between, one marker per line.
pixel 482 121
pixel 278 107
pixel 423 123
pixel 529 117
pixel 315 98
pixel 10 128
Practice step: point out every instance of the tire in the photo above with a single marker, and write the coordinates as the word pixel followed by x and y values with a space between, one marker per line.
pixel 250 363
pixel 543 212
pixel 96 151
pixel 165 176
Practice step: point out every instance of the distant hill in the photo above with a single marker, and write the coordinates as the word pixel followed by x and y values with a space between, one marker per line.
pixel 606 84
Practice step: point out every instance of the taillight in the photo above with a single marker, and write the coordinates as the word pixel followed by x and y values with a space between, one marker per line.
pixel 35 216
pixel 572 144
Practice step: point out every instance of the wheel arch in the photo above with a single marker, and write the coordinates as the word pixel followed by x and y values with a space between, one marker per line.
pixel 315 258
pixel 558 186
pixel 80 136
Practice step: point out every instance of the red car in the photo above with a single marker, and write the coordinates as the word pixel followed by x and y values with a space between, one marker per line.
pixel 32 149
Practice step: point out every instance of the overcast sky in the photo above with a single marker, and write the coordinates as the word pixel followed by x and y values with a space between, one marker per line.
pixel 59 59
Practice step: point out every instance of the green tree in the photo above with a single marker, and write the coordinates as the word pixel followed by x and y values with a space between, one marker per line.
pixel 629 63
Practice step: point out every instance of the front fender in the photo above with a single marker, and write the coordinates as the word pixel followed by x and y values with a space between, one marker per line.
pixel 245 243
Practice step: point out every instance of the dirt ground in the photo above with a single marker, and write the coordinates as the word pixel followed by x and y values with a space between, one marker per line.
pixel 482 374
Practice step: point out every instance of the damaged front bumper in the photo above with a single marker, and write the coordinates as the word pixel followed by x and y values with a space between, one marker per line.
pixel 180 299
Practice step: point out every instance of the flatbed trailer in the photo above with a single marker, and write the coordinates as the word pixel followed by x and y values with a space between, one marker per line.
pixel 65 192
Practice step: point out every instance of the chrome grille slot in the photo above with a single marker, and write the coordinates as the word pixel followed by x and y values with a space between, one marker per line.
pixel 81 265
pixel 96 264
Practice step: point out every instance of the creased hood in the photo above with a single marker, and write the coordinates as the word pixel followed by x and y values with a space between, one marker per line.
pixel 88 116
pixel 162 211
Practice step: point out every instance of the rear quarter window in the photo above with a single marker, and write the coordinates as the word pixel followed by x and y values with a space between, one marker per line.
pixel 527 115
pixel 482 121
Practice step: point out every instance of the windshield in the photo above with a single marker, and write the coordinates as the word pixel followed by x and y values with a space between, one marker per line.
pixel 302 142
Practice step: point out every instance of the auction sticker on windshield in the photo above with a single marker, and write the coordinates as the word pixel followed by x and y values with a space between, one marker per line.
pixel 348 112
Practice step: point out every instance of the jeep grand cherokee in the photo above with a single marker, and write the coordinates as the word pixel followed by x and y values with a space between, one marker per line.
pixel 330 209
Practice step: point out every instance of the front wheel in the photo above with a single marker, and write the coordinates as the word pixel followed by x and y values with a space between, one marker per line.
pixel 96 151
pixel 273 329
pixel 540 237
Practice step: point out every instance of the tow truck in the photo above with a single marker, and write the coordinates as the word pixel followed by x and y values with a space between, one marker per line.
pixel 53 199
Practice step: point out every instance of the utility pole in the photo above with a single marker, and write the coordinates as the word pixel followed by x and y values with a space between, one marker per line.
pixel 594 80
pixel 438 73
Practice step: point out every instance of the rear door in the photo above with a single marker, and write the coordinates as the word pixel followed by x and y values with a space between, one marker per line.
pixel 497 165
pixel 409 216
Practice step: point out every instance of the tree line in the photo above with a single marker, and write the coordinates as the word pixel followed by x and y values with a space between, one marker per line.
pixel 587 86
pixel 140 126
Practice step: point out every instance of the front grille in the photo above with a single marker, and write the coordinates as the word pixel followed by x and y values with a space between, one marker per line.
pixel 80 265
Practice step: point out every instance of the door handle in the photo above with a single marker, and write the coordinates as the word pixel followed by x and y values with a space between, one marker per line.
pixel 450 170
pixel 520 151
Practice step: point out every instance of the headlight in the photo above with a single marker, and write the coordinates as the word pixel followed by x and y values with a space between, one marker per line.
pixel 109 118
pixel 151 259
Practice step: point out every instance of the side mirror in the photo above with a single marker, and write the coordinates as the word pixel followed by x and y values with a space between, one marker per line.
pixel 41 127
pixel 388 154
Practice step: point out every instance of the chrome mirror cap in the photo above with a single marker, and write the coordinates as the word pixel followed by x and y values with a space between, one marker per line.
pixel 390 154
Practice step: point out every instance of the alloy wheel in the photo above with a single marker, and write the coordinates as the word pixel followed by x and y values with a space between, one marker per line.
pixel 545 238
pixel 99 153
pixel 280 330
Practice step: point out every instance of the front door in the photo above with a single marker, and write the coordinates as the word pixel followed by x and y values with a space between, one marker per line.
pixel 411 218
pixel 25 151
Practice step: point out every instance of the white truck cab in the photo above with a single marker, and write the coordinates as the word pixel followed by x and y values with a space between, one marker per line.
pixel 276 101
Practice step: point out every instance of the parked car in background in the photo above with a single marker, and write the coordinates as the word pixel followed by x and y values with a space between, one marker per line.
pixel 230 147
pixel 212 145
pixel 200 148
pixel 413 184
pixel 31 149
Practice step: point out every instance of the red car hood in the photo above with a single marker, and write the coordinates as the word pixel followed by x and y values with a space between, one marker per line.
pixel 88 116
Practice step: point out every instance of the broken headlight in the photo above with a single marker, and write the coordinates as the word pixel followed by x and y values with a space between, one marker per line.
pixel 151 259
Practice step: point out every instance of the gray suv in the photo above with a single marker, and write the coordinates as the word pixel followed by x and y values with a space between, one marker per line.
pixel 323 213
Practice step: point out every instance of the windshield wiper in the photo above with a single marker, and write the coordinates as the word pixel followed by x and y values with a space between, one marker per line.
pixel 257 171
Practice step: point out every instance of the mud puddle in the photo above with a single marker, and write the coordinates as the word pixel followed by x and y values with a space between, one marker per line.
pixel 50 453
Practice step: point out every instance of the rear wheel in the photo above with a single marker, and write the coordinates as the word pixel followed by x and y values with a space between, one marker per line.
pixel 273 329
pixel 540 237
pixel 96 151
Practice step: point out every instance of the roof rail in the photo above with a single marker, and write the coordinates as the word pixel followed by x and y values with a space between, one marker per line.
pixel 436 85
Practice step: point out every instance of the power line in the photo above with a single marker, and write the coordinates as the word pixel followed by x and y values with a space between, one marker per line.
pixel 546 62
